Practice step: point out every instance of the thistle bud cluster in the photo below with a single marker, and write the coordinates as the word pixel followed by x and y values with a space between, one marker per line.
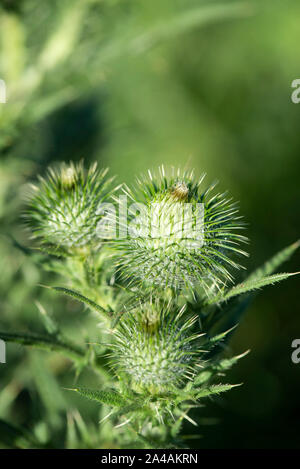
pixel 136 269
pixel 181 236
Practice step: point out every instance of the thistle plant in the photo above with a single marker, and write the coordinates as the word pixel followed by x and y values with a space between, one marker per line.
pixel 163 291
pixel 184 236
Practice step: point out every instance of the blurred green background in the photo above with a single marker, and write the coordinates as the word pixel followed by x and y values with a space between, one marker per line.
pixel 134 84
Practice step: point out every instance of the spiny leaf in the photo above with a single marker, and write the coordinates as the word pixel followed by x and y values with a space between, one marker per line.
pixel 215 389
pixel 238 304
pixel 44 341
pixel 223 364
pixel 57 343
pixel 83 299
pixel 250 285
pixel 217 338
pixel 271 265
pixel 255 284
pixel 226 363
pixel 109 397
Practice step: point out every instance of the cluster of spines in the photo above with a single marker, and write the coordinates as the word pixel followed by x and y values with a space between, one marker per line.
pixel 64 206
pixel 144 262
pixel 156 347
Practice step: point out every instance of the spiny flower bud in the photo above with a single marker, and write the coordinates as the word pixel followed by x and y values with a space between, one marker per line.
pixel 64 210
pixel 156 348
pixel 183 236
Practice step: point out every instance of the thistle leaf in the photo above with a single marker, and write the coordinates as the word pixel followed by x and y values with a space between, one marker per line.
pixel 219 337
pixel 271 265
pixel 44 341
pixel 250 285
pixel 108 397
pixel 223 364
pixel 215 389
pixel 226 363
pixel 83 299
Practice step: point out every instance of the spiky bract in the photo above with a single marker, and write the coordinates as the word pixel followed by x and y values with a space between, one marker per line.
pixel 156 348
pixel 64 210
pixel 183 237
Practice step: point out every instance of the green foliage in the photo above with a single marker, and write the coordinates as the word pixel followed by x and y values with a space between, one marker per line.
pixel 214 390
pixel 162 359
pixel 14 437
pixel 260 277
pixel 250 285
pixel 74 294
pixel 48 342
pixel 272 264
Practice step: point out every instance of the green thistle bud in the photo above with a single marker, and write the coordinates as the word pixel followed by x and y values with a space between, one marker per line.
pixel 183 237
pixel 156 348
pixel 64 209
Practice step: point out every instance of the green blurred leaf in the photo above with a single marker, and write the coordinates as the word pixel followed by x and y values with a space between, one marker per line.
pixel 50 324
pixel 15 437
pixel 65 36
pixel 12 38
pixel 184 21
pixel 48 388
pixel 108 397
